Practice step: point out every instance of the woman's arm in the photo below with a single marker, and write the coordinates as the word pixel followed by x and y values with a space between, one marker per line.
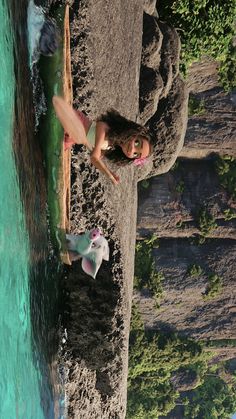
pixel 101 131
pixel 104 169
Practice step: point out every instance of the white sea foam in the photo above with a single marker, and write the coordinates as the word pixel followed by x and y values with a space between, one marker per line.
pixel 35 21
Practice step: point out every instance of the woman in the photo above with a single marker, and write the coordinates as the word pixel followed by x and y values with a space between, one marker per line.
pixel 117 138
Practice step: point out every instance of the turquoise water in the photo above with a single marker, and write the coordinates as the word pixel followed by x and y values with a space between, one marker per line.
pixel 25 389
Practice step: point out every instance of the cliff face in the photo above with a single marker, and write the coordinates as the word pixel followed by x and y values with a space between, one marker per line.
pixel 183 305
pixel 214 130
pixel 169 206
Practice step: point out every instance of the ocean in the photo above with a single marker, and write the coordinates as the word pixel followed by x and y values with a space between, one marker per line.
pixel 30 270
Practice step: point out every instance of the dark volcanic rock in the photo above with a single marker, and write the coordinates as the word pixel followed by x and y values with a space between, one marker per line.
pixel 170 52
pixel 49 38
pixel 152 42
pixel 168 125
pixel 152 87
pixel 160 64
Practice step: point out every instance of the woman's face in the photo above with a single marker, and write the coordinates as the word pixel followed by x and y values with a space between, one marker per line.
pixel 136 147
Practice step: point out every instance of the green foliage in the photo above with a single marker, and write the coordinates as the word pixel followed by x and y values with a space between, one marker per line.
pixel 194 270
pixel 145 184
pixel 179 224
pixel 214 286
pixel 145 274
pixel 196 106
pixel 153 358
pixel 227 70
pixel 226 170
pixel 206 223
pixel 180 186
pixel 229 214
pixel 214 399
pixel 206 28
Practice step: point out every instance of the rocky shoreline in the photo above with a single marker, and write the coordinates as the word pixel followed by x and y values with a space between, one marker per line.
pixel 127 59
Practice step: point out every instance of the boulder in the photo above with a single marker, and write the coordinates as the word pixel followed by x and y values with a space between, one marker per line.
pixel 168 127
pixel 160 57
pixel 170 53
pixel 49 38
pixel 151 42
pixel 149 7
pixel 152 87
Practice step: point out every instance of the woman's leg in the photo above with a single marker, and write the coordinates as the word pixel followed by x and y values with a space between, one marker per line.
pixel 68 142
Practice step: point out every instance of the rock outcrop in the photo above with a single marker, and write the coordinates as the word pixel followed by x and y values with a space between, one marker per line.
pixel 106 61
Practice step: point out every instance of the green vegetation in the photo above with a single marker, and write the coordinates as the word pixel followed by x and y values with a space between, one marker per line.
pixel 214 286
pixel 153 358
pixel 206 28
pixel 221 343
pixel 194 270
pixel 196 106
pixel 226 170
pixel 214 399
pixel 145 184
pixel 229 214
pixel 180 186
pixel 145 274
pixel 206 224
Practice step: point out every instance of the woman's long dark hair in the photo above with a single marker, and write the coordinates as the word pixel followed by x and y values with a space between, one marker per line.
pixel 120 132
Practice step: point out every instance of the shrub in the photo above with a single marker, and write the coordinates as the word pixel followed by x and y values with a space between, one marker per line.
pixel 194 270
pixel 196 106
pixel 206 27
pixel 206 222
pixel 145 274
pixel 226 170
pixel 214 286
